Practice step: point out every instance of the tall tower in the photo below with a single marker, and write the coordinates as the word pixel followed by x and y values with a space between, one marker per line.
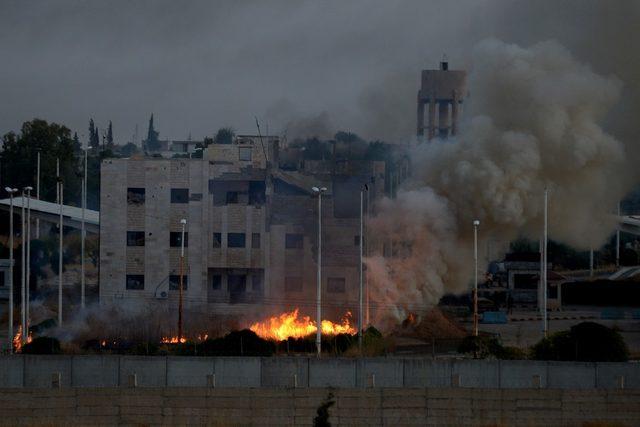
pixel 443 91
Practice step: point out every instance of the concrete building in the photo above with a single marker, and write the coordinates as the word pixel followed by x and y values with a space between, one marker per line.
pixel 251 233
pixel 443 91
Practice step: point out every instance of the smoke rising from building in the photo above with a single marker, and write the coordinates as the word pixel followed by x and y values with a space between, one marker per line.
pixel 533 122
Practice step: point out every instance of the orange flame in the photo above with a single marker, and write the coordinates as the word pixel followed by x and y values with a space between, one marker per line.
pixel 175 340
pixel 17 340
pixel 289 325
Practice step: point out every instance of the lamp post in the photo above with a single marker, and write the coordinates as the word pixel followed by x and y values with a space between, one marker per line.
pixel 361 292
pixel 38 193
pixel 476 223
pixel 11 192
pixel 183 222
pixel 27 268
pixel 23 265
pixel 61 226
pixel 83 232
pixel 319 191
pixel 545 325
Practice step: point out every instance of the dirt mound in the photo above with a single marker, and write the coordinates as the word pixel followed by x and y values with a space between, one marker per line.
pixel 433 325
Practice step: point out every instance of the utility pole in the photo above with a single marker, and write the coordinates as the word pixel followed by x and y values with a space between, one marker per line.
pixel 366 277
pixel 83 233
pixel 544 262
pixel 23 266
pixel 11 192
pixel 618 241
pixel 319 191
pixel 38 194
pixel 60 196
pixel 361 290
pixel 183 222
pixel 27 264
pixel 476 223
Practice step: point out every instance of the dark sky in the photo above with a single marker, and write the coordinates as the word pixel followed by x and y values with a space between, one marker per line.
pixel 309 65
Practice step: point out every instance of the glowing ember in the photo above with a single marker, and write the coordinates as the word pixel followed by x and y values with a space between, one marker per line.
pixel 289 325
pixel 175 340
pixel 17 340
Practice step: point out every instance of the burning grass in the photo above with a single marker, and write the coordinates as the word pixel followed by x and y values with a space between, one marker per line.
pixel 291 325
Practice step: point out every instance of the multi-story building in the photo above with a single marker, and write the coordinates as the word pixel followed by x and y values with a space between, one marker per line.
pixel 251 229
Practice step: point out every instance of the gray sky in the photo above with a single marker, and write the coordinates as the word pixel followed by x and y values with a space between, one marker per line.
pixel 200 65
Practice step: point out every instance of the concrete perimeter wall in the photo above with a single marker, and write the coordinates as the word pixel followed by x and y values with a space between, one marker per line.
pixel 302 372
pixel 298 406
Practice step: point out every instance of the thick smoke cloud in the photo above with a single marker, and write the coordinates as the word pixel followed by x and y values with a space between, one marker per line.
pixel 535 119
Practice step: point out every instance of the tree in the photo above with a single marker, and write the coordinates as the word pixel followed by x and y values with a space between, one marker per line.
pixel 94 139
pixel 224 136
pixel 585 342
pixel 110 136
pixel 152 143
pixel 19 159
pixel 77 146
pixel 129 149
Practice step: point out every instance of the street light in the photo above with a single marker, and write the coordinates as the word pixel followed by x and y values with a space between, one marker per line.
pixel 365 188
pixel 319 191
pixel 183 222
pixel 476 223
pixel 11 192
pixel 25 263
pixel 545 325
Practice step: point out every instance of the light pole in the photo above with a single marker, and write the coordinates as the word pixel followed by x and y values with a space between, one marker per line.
pixel 476 223
pixel 183 222
pixel 319 191
pixel 23 266
pixel 26 267
pixel 545 325
pixel 11 192
pixel 38 193
pixel 83 232
pixel 61 226
pixel 361 293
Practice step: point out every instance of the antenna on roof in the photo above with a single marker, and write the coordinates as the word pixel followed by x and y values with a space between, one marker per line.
pixel 261 143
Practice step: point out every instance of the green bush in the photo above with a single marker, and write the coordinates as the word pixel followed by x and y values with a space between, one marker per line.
pixel 586 342
pixel 42 345
pixel 484 346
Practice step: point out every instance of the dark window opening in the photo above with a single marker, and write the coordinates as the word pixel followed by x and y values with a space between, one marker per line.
pixel 235 240
pixel 237 285
pixel 356 240
pixel 232 197
pixel 244 153
pixel 135 282
pixel 135 196
pixel 179 195
pixel 336 285
pixel 525 281
pixel 217 240
pixel 292 284
pixel 255 240
pixel 175 239
pixel 216 282
pixel 174 282
pixel 257 195
pixel 294 241
pixel 256 283
pixel 135 238
pixel 2 283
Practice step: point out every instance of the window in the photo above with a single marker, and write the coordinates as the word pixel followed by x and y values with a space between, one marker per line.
pixel 175 239
pixel 244 153
pixel 336 285
pixel 217 240
pixel 257 193
pixel 292 284
pixel 255 240
pixel 235 240
pixel 294 241
pixel 174 282
pixel 232 197
pixel 216 282
pixel 237 285
pixel 135 196
pixel 179 195
pixel 135 282
pixel 356 240
pixel 135 238
pixel 2 283
pixel 256 283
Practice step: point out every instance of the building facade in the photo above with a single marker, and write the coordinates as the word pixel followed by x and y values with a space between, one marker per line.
pixel 251 230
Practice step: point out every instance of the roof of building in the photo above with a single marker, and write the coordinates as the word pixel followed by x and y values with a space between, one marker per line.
pixel 72 212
